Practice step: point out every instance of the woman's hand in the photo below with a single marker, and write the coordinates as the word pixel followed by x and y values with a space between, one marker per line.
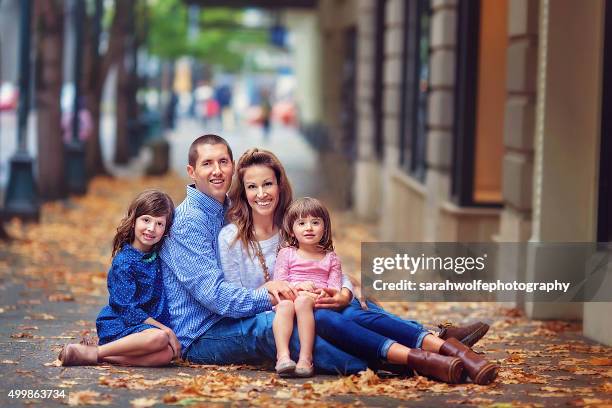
pixel 276 289
pixel 335 299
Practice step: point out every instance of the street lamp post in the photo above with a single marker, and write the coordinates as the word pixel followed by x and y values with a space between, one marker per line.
pixel 75 152
pixel 22 198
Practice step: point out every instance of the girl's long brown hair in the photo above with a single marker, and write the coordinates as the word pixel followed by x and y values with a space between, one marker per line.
pixel 302 208
pixel 240 212
pixel 151 202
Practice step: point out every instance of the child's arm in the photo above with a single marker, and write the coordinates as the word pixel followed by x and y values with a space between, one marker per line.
pixel 335 274
pixel 281 267
pixel 122 293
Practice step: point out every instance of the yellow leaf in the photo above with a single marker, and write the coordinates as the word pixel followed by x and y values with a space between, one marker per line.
pixel 143 402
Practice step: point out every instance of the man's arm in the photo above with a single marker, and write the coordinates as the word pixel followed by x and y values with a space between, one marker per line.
pixel 189 255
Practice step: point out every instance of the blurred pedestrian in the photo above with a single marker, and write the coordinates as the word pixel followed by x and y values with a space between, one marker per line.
pixel 85 124
pixel 171 110
pixel 266 112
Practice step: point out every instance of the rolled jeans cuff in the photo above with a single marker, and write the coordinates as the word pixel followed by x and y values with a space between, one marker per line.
pixel 419 342
pixel 384 349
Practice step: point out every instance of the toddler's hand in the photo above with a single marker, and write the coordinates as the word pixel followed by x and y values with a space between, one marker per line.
pixel 312 295
pixel 306 285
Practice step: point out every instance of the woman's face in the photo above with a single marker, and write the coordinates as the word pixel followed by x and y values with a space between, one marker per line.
pixel 262 190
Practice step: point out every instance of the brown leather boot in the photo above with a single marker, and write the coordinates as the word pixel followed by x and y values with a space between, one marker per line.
pixel 78 355
pixel 480 370
pixel 447 369
pixel 468 335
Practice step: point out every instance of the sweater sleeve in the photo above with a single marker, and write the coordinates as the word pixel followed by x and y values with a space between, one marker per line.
pixel 281 268
pixel 229 255
pixel 123 296
pixel 335 273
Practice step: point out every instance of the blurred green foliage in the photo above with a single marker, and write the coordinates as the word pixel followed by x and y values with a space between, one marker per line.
pixel 220 39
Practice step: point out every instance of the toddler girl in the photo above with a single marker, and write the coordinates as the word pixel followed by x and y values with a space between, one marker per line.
pixel 129 327
pixel 307 261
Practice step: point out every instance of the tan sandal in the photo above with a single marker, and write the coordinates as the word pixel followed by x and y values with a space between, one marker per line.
pixel 78 355
pixel 304 372
pixel 285 367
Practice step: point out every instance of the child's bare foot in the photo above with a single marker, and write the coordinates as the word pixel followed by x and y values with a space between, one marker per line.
pixel 304 368
pixel 285 366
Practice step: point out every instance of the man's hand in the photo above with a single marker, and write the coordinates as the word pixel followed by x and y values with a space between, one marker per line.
pixel 280 288
pixel 335 299
pixel 174 343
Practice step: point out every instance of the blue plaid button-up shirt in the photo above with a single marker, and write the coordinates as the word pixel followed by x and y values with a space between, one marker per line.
pixel 198 297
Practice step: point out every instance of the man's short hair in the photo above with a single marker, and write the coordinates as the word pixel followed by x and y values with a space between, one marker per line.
pixel 209 139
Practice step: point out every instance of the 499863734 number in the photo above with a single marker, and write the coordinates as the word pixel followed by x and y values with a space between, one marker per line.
pixel 36 394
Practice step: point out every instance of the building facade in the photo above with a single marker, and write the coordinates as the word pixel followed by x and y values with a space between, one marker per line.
pixel 476 121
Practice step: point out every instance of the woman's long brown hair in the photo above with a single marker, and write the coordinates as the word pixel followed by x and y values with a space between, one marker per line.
pixel 240 212
pixel 151 202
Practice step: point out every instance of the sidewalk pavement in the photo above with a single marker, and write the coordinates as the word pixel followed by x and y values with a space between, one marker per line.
pixel 52 285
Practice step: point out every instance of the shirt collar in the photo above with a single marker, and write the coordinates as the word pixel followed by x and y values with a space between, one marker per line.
pixel 205 202
pixel 145 256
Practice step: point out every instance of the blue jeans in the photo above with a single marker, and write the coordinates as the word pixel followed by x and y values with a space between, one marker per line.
pixel 352 337
pixel 251 340
pixel 410 333
pixel 367 333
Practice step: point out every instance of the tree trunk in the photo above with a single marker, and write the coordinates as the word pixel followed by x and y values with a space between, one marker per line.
pixel 92 86
pixel 50 27
pixel 94 163
pixel 96 72
pixel 122 147
pixel 124 14
pixel 4 236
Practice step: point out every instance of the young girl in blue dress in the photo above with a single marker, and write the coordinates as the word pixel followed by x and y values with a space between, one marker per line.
pixel 130 328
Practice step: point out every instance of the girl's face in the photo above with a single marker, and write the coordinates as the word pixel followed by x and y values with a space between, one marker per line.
pixel 308 230
pixel 148 231
pixel 261 189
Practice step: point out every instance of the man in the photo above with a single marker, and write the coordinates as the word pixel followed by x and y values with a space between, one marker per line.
pixel 215 321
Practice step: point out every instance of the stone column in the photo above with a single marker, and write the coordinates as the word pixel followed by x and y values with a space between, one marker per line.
pixel 519 128
pixel 366 186
pixel 391 207
pixel 440 112
pixel 568 125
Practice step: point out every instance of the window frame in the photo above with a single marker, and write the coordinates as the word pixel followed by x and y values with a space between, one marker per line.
pixel 412 132
pixel 604 214
pixel 465 105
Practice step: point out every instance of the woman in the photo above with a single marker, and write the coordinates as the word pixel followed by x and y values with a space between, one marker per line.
pixel 260 194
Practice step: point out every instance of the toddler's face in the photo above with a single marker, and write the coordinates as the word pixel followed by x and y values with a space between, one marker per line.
pixel 308 230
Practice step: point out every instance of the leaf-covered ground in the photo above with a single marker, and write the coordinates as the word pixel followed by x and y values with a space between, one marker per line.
pixel 53 283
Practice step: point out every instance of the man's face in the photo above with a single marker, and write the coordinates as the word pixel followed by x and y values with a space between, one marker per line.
pixel 213 170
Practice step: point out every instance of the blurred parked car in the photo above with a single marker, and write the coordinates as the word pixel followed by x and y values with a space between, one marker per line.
pixel 285 112
pixel 9 96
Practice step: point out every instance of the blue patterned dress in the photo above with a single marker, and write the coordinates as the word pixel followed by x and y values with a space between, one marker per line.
pixel 136 292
